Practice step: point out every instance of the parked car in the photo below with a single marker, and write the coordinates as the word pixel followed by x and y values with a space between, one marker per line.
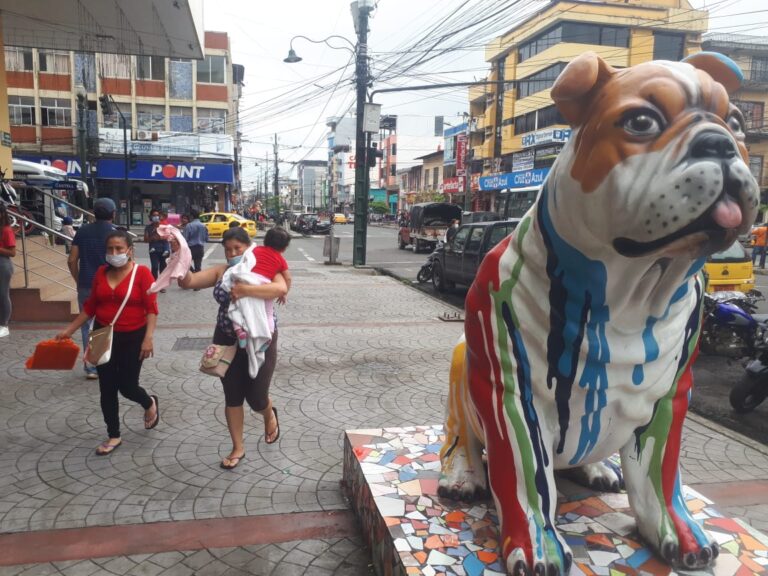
pixel 730 269
pixel 313 224
pixel 299 223
pixel 339 218
pixel 218 222
pixel 459 259
pixel 427 225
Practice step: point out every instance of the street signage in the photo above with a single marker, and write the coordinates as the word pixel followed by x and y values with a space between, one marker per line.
pixel 522 161
pixel 514 179
pixel 461 154
pixel 546 137
pixel 372 118
pixel 113 169
pixel 64 185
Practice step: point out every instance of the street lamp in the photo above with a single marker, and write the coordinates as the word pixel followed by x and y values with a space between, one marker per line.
pixel 293 58
pixel 107 102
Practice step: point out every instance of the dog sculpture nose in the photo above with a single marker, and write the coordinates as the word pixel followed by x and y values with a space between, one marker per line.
pixel 713 145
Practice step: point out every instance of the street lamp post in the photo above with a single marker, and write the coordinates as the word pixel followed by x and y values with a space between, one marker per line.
pixel 107 102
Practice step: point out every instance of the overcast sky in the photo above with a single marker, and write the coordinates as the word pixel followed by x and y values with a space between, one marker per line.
pixel 294 100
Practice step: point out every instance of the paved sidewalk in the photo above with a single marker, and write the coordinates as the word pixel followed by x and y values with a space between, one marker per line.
pixel 356 351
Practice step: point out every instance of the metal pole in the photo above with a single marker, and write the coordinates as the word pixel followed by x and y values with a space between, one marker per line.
pixel 276 185
pixel 81 136
pixel 23 225
pixel 467 171
pixel 361 163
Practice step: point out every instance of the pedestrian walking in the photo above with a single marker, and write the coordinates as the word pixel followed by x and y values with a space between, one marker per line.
pixel 86 256
pixel 68 230
pixel 238 385
pixel 119 297
pixel 7 251
pixel 196 235
pixel 760 235
pixel 159 249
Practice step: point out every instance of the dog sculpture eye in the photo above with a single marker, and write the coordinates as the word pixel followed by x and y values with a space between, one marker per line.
pixel 643 123
pixel 735 124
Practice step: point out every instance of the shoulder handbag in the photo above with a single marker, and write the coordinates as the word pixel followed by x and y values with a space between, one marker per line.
pixel 217 359
pixel 99 349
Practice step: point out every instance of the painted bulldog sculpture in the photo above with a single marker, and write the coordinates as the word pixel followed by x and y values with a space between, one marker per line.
pixel 581 328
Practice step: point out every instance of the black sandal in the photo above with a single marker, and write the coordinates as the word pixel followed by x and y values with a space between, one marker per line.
pixel 277 428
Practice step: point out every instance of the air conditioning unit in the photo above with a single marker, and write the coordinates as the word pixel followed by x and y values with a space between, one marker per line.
pixel 146 135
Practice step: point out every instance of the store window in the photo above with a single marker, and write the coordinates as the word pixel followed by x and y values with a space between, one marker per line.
pixel 150 67
pixel 212 70
pixel 576 33
pixel 114 121
pixel 759 72
pixel 115 66
pixel 150 117
pixel 181 119
pixel 668 46
pixel 56 112
pixel 18 59
pixel 548 116
pixel 211 120
pixel 753 113
pixel 53 62
pixel 540 81
pixel 21 110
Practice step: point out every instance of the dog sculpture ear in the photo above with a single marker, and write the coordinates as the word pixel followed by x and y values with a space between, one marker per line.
pixel 574 85
pixel 720 67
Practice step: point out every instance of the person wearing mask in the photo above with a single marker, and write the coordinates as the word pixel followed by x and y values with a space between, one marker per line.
pixel 132 340
pixel 238 386
pixel 760 235
pixel 196 235
pixel 85 258
pixel 452 229
pixel 7 251
pixel 159 249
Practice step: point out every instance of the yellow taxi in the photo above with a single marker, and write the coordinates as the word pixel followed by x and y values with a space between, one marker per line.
pixel 218 222
pixel 339 218
pixel 730 269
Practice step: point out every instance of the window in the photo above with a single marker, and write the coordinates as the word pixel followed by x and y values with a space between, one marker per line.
pixel 540 81
pixel 548 116
pixel 150 67
pixel 753 113
pixel 56 112
pixel 460 239
pixel 54 62
pixel 21 110
pixel 394 149
pixel 498 233
pixel 435 176
pixel 181 119
pixel 393 170
pixel 577 33
pixel 115 66
pixel 212 70
pixel 18 59
pixel 204 218
pixel 219 218
pixel 668 46
pixel 150 117
pixel 475 239
pixel 756 167
pixel 211 120
pixel 114 121
pixel 759 72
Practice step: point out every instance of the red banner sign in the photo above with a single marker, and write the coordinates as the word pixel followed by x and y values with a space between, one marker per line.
pixel 461 154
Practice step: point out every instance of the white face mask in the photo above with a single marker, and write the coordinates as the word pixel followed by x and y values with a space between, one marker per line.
pixel 117 260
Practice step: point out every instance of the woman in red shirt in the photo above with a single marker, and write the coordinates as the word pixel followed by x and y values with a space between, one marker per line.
pixel 7 251
pixel 132 337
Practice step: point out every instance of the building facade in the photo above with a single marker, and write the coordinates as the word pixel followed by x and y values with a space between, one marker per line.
pixel 516 132
pixel 180 123
pixel 751 54
pixel 311 186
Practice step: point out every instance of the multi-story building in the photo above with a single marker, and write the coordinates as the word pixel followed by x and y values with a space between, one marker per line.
pixel 311 186
pixel 517 131
pixel 181 123
pixel 751 54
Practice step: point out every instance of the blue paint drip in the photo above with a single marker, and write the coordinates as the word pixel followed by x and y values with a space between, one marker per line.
pixel 581 282
pixel 681 509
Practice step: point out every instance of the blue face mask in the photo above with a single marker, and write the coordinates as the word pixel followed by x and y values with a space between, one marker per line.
pixel 234 261
pixel 155 218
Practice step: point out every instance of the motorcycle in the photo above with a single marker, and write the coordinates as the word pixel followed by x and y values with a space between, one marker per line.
pixel 732 329
pixel 425 272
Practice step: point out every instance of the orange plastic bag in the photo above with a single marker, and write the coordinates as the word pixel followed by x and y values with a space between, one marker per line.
pixel 54 355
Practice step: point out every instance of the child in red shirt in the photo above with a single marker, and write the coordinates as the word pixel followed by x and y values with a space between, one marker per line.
pixel 269 257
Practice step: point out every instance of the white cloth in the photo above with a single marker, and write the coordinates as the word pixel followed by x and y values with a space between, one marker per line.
pixel 250 313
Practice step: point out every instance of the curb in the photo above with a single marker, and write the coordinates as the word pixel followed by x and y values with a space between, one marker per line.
pixel 728 433
pixel 410 284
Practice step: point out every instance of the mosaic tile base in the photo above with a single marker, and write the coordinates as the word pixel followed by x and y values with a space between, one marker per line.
pixel 391 479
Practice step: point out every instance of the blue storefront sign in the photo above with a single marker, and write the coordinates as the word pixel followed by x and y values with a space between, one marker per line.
pixel 67 163
pixel 113 169
pixel 514 179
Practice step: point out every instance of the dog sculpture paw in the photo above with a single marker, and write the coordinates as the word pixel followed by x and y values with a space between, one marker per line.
pixel 558 564
pixel 602 476
pixel 462 481
pixel 691 557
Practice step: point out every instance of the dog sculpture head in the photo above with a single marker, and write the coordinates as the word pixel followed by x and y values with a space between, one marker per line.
pixel 657 165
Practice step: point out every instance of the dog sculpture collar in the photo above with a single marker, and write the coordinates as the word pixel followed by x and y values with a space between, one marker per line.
pixel 581 327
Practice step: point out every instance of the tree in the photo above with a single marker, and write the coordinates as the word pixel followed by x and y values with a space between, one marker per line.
pixel 379 207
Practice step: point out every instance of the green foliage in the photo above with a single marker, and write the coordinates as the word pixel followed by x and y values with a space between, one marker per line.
pixel 379 207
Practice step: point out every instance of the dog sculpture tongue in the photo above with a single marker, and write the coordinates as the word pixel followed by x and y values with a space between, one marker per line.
pixel 727 213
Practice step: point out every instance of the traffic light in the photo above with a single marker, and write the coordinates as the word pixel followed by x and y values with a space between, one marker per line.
pixel 106 105
pixel 373 154
pixel 132 160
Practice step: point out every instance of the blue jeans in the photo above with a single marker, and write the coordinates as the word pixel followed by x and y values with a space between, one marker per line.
pixel 758 251
pixel 82 296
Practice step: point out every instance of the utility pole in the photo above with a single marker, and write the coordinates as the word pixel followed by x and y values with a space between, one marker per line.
pixel 467 171
pixel 276 185
pixel 266 178
pixel 82 134
pixel 360 11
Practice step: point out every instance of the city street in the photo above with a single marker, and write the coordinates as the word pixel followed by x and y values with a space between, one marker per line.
pixel 714 376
